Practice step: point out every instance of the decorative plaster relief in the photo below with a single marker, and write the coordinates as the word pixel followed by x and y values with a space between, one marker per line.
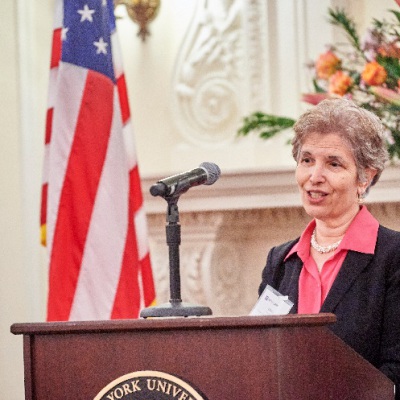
pixel 213 81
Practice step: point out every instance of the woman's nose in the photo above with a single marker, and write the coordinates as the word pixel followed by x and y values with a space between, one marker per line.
pixel 317 174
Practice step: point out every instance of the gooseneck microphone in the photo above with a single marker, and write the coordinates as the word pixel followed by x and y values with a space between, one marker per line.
pixel 206 174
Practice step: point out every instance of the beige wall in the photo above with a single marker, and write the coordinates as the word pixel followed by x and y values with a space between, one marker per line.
pixel 25 33
pixel 12 293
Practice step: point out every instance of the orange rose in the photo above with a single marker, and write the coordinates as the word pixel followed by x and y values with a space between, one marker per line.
pixel 326 65
pixel 339 83
pixel 374 74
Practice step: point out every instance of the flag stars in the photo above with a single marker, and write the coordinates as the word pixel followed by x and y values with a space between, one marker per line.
pixel 86 13
pixel 64 32
pixel 101 46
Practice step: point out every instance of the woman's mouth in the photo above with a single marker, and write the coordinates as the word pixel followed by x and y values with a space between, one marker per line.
pixel 316 195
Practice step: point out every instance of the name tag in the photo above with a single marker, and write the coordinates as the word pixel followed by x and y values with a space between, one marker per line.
pixel 271 302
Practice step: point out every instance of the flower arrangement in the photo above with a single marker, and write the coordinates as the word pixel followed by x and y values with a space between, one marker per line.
pixel 366 71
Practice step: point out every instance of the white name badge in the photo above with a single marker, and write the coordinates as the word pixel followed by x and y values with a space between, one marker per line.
pixel 271 302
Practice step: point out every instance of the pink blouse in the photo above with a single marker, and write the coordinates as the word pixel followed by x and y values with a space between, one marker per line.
pixel 314 286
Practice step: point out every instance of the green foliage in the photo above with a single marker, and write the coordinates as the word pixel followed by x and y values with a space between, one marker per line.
pixel 396 14
pixel 317 88
pixel 266 125
pixel 340 18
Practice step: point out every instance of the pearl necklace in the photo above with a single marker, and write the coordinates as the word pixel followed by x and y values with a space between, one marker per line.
pixel 323 249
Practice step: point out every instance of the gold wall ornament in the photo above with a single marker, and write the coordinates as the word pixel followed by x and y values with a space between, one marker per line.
pixel 141 12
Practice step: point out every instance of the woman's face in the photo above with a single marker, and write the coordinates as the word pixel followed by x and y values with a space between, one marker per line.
pixel 327 178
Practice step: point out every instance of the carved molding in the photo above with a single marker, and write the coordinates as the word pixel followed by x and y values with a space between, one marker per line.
pixel 257 53
pixel 249 190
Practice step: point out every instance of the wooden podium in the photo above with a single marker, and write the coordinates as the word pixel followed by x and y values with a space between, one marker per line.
pixel 291 357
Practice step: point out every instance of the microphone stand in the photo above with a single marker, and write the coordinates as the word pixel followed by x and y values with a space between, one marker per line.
pixel 175 307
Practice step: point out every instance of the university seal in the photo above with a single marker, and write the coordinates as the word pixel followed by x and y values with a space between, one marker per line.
pixel 149 385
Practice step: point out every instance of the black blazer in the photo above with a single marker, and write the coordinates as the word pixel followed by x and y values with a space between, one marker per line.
pixel 365 297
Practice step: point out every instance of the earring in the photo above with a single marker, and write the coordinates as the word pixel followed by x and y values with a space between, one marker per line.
pixel 360 197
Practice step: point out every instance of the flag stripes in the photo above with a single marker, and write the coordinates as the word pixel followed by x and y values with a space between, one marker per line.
pixel 92 214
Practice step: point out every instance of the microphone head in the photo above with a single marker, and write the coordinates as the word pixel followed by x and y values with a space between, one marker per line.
pixel 212 170
pixel 158 189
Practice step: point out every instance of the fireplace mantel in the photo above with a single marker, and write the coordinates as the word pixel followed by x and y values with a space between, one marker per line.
pixel 247 190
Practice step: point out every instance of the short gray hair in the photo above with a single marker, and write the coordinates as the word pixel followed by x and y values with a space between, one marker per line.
pixel 360 128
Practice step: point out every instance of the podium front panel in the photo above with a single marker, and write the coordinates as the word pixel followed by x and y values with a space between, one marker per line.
pixel 290 357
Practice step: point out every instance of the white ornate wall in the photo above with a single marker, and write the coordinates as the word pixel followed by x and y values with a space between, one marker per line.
pixel 227 228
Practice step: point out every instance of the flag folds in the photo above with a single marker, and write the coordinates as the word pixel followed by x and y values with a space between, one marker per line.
pixel 92 216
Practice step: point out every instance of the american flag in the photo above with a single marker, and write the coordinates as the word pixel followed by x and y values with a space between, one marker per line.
pixel 92 216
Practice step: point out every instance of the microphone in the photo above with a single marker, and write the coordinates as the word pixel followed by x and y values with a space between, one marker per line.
pixel 207 173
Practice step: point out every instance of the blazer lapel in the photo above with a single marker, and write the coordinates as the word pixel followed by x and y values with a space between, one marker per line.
pixel 353 265
pixel 289 284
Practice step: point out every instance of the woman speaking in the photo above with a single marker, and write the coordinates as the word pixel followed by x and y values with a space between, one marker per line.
pixel 344 262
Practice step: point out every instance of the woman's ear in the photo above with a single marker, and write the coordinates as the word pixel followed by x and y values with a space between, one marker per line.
pixel 369 174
